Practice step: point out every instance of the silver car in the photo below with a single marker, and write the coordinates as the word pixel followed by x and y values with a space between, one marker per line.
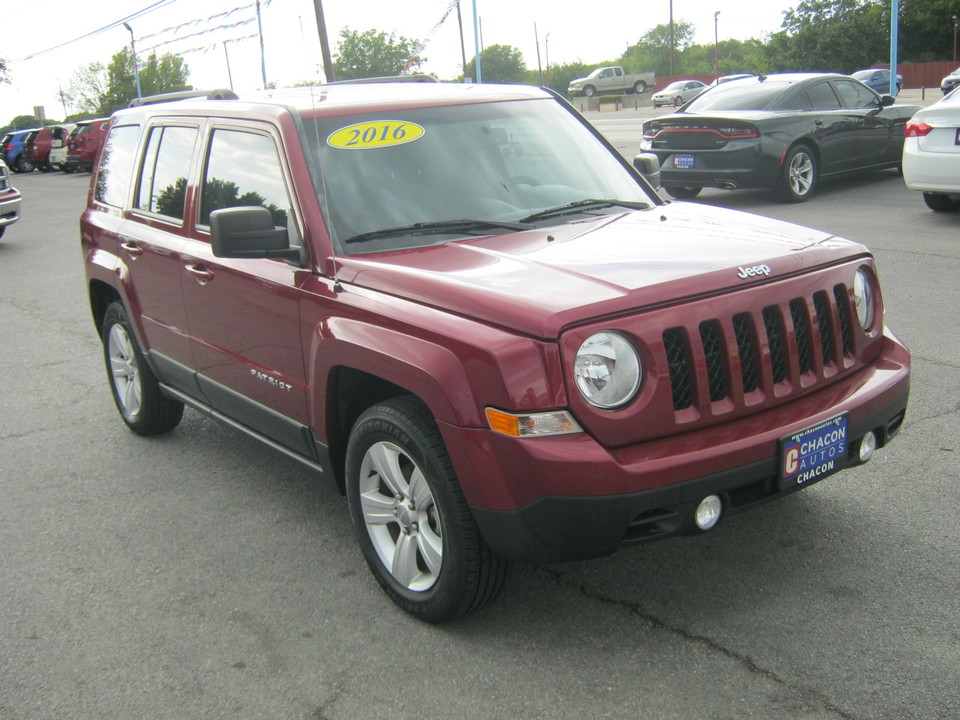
pixel 678 93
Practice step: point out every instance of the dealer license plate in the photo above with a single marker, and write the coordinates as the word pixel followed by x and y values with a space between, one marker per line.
pixel 813 453
pixel 683 161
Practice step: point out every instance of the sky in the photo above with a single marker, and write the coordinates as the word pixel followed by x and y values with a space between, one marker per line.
pixel 219 40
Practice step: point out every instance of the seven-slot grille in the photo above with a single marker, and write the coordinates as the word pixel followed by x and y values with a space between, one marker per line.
pixel 796 342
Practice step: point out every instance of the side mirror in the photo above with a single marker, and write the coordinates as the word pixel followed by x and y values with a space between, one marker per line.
pixel 249 232
pixel 648 165
pixel 887 100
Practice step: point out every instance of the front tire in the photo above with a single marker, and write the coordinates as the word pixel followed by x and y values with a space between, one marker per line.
pixel 141 402
pixel 683 192
pixel 589 91
pixel 411 519
pixel 798 175
pixel 939 202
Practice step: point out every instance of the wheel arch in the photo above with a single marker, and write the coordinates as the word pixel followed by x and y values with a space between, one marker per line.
pixel 361 365
pixel 101 296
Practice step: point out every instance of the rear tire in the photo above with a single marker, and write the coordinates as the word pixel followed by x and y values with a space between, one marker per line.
pixel 411 520
pixel 939 202
pixel 798 175
pixel 640 87
pixel 141 402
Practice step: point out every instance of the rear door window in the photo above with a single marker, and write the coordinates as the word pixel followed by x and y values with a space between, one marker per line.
pixel 166 167
pixel 822 96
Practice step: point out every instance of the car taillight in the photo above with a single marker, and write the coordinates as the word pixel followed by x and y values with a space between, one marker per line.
pixel 915 128
pixel 736 132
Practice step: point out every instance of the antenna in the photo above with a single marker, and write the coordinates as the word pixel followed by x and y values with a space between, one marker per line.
pixel 337 287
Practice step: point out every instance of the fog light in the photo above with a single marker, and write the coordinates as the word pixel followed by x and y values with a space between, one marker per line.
pixel 708 512
pixel 867 446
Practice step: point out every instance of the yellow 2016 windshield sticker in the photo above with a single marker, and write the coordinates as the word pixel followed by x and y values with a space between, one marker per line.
pixel 379 134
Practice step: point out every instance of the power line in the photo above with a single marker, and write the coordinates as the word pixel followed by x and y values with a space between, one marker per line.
pixel 150 8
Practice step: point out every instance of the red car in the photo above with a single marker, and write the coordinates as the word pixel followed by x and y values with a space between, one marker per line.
pixel 84 144
pixel 460 304
pixel 39 144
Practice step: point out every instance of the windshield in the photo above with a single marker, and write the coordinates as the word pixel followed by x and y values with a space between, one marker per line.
pixel 489 163
pixel 747 94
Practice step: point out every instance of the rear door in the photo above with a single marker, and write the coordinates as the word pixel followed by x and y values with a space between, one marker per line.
pixel 834 127
pixel 879 139
pixel 151 241
pixel 244 314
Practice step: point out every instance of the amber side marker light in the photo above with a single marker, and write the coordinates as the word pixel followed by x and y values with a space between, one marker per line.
pixel 555 422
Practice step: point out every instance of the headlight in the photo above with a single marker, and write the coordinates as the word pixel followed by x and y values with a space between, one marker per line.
pixel 863 298
pixel 607 370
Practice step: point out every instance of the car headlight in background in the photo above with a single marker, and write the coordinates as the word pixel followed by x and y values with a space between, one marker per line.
pixel 863 298
pixel 607 370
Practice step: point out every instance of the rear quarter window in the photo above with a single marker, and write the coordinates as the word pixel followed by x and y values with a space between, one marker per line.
pixel 116 165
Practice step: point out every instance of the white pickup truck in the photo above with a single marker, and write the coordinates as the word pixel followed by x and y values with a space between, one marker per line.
pixel 611 79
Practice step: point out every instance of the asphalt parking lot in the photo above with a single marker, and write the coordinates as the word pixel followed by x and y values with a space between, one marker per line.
pixel 198 575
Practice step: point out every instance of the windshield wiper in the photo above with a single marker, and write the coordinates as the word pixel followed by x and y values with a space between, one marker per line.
pixel 464 225
pixel 582 206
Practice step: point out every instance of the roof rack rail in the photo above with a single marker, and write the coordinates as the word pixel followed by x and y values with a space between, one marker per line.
pixel 218 94
pixel 420 77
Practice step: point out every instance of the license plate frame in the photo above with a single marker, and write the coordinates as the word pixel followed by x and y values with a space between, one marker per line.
pixel 684 161
pixel 814 452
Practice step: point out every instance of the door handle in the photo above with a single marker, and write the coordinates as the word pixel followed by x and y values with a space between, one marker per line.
pixel 132 249
pixel 199 273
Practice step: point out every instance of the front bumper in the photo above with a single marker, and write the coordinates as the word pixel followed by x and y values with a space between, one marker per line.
pixel 568 498
pixel 9 208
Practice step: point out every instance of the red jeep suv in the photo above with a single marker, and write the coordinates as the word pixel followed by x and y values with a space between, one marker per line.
pixel 463 306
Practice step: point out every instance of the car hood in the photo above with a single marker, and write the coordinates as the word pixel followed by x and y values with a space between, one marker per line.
pixel 541 281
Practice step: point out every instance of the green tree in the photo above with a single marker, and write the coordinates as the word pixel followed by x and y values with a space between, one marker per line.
pixel 167 73
pixel 375 54
pixel 499 64
pixel 652 52
pixel 4 71
pixel 831 35
pixel 86 89
pixel 926 30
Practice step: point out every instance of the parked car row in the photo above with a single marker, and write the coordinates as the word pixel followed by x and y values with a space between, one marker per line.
pixel 66 146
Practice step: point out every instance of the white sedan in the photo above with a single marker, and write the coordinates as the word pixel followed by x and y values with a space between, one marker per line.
pixel 931 153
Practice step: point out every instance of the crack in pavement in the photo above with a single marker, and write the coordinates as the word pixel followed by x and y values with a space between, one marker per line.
pixel 659 624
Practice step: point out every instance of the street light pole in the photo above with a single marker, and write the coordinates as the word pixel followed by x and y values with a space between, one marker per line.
pixel 136 65
pixel 716 47
pixel 954 38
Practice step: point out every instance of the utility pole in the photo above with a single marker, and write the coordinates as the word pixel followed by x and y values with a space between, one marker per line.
pixel 136 65
pixel 671 38
pixel 263 59
pixel 716 47
pixel 324 43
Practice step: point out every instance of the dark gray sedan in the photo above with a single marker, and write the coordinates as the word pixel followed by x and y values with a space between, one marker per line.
pixel 785 132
